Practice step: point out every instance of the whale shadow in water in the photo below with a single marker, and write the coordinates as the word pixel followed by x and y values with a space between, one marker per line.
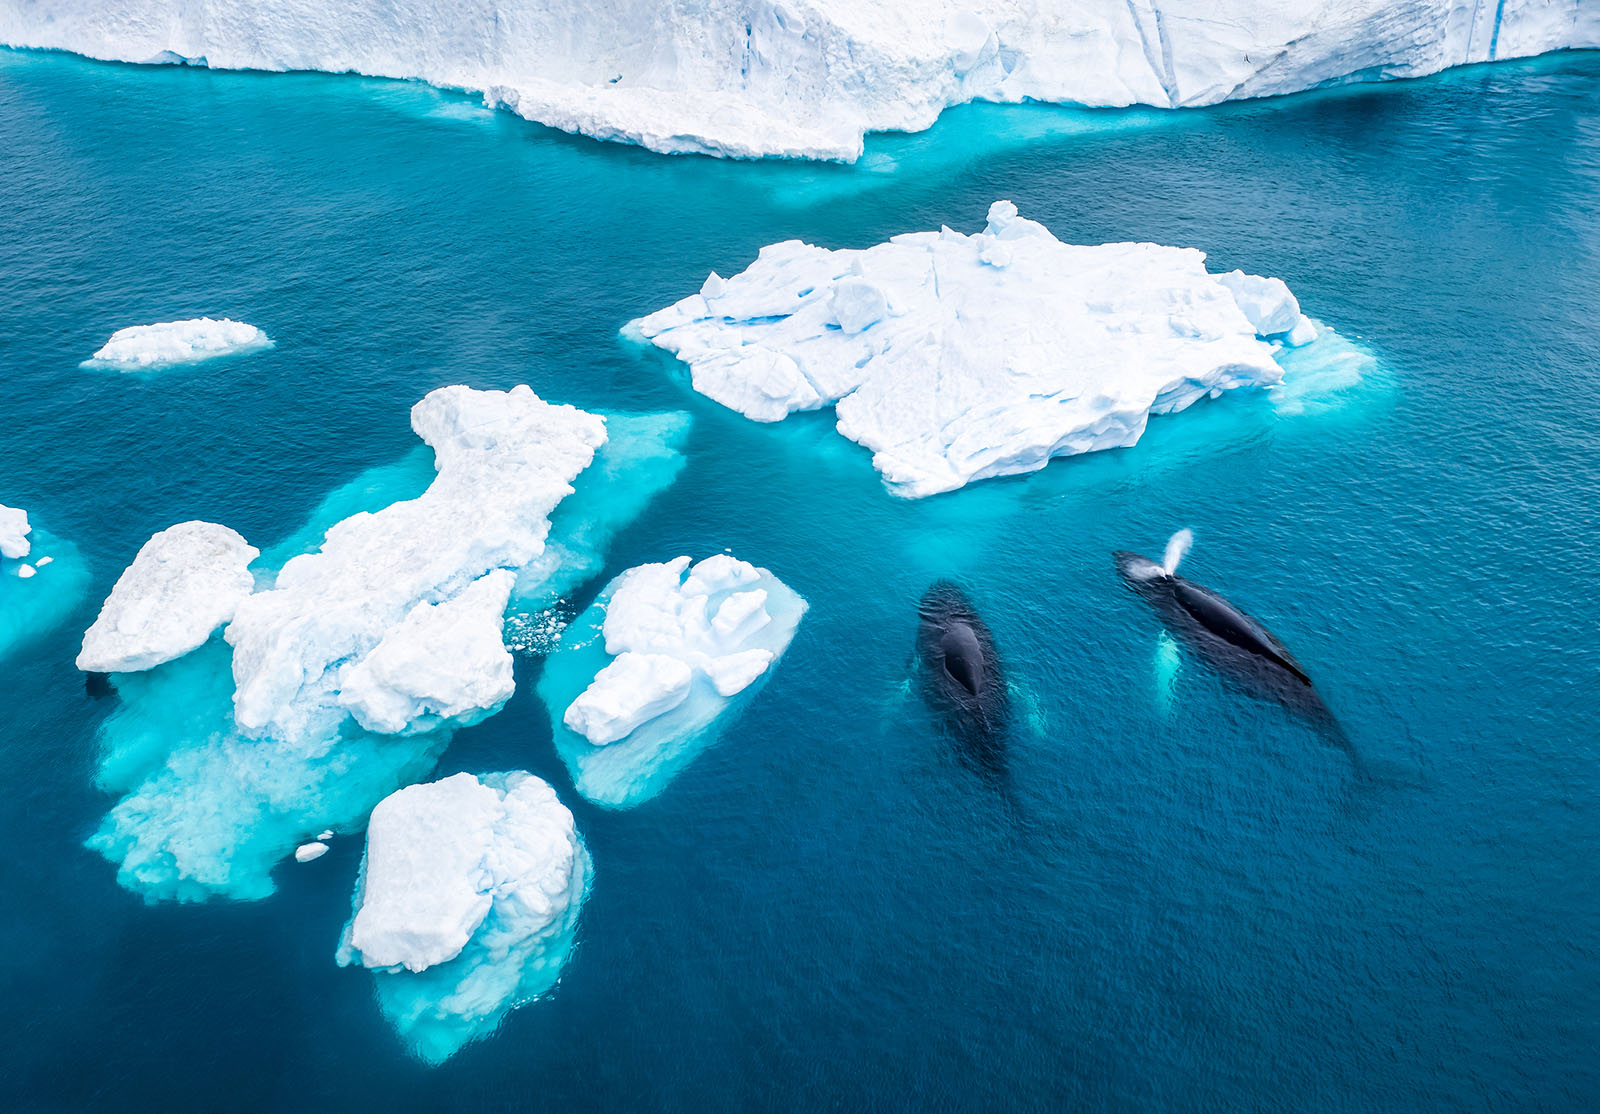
pixel 963 681
pixel 1236 646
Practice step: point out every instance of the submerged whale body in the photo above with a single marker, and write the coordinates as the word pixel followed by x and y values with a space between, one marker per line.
pixel 1233 643
pixel 961 674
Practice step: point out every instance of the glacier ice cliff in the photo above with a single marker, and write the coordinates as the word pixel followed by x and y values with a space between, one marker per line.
pixel 641 679
pixel 809 77
pixel 955 358
pixel 185 582
pixel 169 343
pixel 467 904
pixel 342 677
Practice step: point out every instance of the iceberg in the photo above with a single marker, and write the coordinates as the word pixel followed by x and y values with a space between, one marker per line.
pixel 169 343
pixel 14 530
pixel 504 460
pixel 379 636
pixel 467 904
pixel 955 358
pixel 808 78
pixel 640 680
pixel 185 582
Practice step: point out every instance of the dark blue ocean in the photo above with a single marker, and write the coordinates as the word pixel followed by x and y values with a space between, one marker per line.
pixel 1175 902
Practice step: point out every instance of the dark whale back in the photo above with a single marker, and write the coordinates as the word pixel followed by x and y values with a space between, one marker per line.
pixel 1230 624
pixel 962 677
pixel 963 656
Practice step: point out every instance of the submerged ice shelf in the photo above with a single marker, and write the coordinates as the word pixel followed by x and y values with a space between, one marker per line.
pixel 955 358
pixel 42 578
pixel 808 78
pixel 169 343
pixel 344 679
pixel 467 904
pixel 640 680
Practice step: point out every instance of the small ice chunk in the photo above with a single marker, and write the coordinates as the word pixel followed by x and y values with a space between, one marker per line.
pixel 308 851
pixel 1267 302
pixel 1303 333
pixel 42 562
pixel 25 571
pixel 184 583
pixel 14 530
pixel 145 347
pixel 632 689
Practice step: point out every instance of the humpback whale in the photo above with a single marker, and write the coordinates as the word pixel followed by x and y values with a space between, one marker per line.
pixel 1232 642
pixel 961 674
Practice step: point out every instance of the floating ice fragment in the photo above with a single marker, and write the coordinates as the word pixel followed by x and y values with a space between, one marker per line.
pixel 642 677
pixel 308 851
pixel 147 347
pixel 468 898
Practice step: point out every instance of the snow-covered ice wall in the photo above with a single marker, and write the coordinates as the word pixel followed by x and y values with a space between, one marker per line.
pixel 808 78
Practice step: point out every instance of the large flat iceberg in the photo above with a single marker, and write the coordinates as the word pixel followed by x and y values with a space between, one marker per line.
pixel 169 343
pixel 955 357
pixel 467 904
pixel 640 680
pixel 185 582
pixel 809 77
pixel 342 677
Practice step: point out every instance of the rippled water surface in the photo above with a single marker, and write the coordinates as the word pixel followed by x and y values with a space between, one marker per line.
pixel 1176 897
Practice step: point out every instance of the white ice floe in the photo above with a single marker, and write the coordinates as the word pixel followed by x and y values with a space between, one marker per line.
pixel 168 343
pixel 185 582
pixel 809 77
pixel 504 460
pixel 469 894
pixel 306 852
pixel 954 358
pixel 14 530
pixel 675 646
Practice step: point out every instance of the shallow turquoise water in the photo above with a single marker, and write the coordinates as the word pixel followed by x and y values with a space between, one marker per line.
pixel 1177 901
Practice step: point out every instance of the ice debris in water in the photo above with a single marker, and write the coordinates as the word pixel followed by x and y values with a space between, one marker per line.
pixel 810 77
pixel 36 596
pixel 185 582
pixel 306 852
pixel 954 358
pixel 168 343
pixel 641 677
pixel 467 904
pixel 344 679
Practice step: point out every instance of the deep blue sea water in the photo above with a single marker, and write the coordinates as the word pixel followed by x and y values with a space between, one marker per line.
pixel 1199 906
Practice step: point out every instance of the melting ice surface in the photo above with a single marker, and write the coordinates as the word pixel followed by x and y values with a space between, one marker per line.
pixel 169 343
pixel 466 905
pixel 641 680
pixel 954 358
pixel 208 808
